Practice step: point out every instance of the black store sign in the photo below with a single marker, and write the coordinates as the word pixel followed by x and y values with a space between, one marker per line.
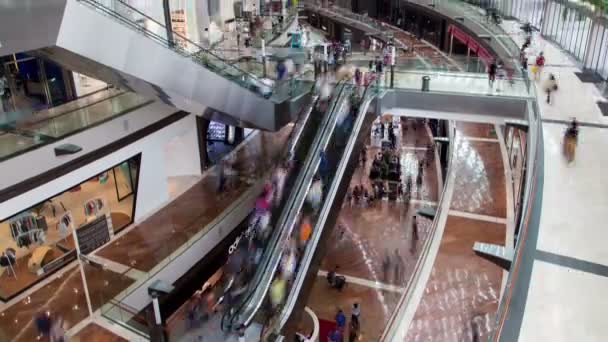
pixel 93 235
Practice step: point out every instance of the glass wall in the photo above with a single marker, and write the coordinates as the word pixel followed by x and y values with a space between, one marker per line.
pixel 38 241
pixel 570 24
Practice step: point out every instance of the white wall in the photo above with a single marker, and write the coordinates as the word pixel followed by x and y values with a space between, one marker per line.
pixel 182 157
pixel 152 187
pixel 40 160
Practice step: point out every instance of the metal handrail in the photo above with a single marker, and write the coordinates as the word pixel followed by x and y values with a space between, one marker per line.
pixel 527 208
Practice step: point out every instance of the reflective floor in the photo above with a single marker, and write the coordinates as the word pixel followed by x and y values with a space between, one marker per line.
pixel 62 297
pixel 374 246
pixel 461 296
pixel 94 332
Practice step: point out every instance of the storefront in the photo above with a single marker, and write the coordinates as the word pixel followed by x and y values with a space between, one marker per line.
pixel 40 240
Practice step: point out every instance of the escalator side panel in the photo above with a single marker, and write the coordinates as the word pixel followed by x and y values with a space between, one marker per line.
pixel 292 324
pixel 181 81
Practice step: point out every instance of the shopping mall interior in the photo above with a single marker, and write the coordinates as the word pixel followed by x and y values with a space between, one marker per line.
pixel 308 170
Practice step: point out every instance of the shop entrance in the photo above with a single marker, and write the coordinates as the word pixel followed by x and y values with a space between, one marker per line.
pixel 39 240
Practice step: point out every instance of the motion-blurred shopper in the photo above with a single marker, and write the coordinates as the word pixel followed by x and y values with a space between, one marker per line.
pixel 277 291
pixel 315 193
pixel 550 86
pixel 305 232
pixel 539 64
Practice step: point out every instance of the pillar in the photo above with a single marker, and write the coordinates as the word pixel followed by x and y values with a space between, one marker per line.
pixel 202 126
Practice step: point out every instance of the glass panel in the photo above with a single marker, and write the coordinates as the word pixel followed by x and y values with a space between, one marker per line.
pixel 562 26
pixel 571 29
pixel 122 178
pixel 155 30
pixel 57 123
pixel 584 43
pixel 557 10
pixel 600 48
pixel 548 19
pixel 603 65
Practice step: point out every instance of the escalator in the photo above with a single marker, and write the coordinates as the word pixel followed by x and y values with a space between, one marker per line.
pixel 243 312
pixel 343 153
pixel 302 150
pixel 116 43
pixel 342 147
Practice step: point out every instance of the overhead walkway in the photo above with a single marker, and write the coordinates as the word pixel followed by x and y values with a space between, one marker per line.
pixel 120 45
pixel 340 142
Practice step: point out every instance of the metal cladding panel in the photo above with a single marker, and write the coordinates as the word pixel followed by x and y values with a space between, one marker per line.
pixel 29 24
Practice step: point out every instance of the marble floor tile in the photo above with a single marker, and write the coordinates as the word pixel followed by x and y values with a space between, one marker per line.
pixel 93 332
pixel 461 296
pixel 476 130
pixel 480 186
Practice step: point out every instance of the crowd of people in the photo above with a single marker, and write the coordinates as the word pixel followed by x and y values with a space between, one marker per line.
pixel 354 325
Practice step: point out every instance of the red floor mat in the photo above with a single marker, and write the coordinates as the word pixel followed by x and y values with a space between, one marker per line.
pixel 325 327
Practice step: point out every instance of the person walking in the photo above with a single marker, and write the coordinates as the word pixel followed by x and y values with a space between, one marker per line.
pixel 398 264
pixel 492 68
pixel 386 266
pixel 358 77
pixel 550 86
pixel 221 176
pixel 355 314
pixel 353 331
pixel 539 64
pixel 281 70
pixel 340 320
pixel 414 229
pixel 523 59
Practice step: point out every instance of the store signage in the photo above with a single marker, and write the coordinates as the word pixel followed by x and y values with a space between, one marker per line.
pixel 246 234
pixel 93 235
pixel 57 263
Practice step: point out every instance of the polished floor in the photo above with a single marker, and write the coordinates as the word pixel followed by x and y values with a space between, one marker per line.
pixel 93 332
pixel 460 300
pixel 62 297
pixel 374 246
pixel 567 276
pixel 157 237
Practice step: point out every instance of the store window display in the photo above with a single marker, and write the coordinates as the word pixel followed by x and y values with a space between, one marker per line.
pixel 38 241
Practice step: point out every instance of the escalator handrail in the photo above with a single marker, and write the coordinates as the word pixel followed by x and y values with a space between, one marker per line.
pixel 173 46
pixel 296 206
pixel 314 240
pixel 274 241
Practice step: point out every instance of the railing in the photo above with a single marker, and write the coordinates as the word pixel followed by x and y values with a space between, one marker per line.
pixel 528 208
pixel 19 137
pixel 156 31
